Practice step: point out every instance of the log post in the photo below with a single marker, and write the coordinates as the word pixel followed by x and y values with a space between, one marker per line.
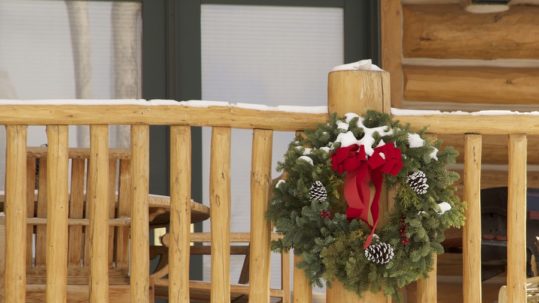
pixel 357 91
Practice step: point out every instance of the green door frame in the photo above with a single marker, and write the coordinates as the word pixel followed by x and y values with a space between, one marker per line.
pixel 171 67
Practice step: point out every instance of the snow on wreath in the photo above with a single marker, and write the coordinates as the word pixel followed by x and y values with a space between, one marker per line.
pixel 328 206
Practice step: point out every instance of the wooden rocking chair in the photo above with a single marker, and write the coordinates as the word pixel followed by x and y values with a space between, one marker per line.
pixel 78 245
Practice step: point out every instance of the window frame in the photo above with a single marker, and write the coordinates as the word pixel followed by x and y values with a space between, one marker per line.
pixel 171 68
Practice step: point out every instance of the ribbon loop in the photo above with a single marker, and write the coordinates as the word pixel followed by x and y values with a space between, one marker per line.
pixel 361 172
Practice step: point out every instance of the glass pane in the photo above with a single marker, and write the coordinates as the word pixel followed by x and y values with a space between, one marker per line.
pixel 54 49
pixel 267 55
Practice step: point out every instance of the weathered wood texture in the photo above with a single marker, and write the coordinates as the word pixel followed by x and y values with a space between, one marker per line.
pixel 472 227
pixel 180 214
pixel 57 213
pixel 427 291
pixel 516 220
pixel 302 286
pixel 259 256
pixel 76 211
pixel 124 210
pixel 41 231
pixel 448 31
pixel 15 228
pixel 391 31
pixel 99 213
pixel 357 91
pixel 480 124
pixel 285 276
pixel 220 199
pixel 160 115
pixel 496 178
pixel 496 147
pixel 140 254
pixel 30 204
pixel 79 294
pixel 81 153
pixel 491 85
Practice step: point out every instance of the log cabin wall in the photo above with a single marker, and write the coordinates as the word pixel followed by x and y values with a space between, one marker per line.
pixel 458 55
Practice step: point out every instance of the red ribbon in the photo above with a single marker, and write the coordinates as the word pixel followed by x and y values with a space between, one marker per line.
pixel 361 172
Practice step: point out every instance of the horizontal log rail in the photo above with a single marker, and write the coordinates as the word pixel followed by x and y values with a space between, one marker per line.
pixel 81 153
pixel 177 114
pixel 458 124
pixel 206 237
pixel 222 119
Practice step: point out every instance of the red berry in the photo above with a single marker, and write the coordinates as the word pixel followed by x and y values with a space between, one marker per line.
pixel 325 214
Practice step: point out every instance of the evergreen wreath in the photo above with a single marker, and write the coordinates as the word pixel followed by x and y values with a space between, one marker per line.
pixel 326 211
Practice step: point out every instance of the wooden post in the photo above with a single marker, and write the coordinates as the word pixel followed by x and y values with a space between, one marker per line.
pixel 259 255
pixel 140 246
pixel 15 250
pixel 516 220
pixel 471 241
pixel 357 91
pixel 99 213
pixel 285 276
pixel 220 214
pixel 57 213
pixel 427 290
pixel 180 214
pixel 302 286
pixel 391 23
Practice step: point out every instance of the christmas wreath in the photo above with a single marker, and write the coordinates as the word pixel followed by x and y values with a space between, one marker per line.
pixel 328 206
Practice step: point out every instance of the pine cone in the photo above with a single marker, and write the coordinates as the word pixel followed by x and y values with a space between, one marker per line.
pixel 318 192
pixel 418 182
pixel 379 253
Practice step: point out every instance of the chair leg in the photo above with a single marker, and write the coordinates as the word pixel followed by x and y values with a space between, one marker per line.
pixel 244 276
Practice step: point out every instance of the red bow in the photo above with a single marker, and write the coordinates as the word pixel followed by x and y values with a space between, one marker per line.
pixel 360 172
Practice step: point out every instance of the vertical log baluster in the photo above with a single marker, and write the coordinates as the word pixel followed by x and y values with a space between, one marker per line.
pixel 30 206
pixel 302 286
pixel 285 279
pixel 472 227
pixel 98 195
pixel 15 240
pixel 112 205
pixel 516 220
pixel 41 230
pixel 140 254
pixel 124 210
pixel 220 214
pixel 427 290
pixel 57 213
pixel 180 213
pixel 76 211
pixel 259 256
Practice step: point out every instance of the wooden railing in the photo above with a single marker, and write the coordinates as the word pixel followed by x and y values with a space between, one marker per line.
pixel 354 91
pixel 57 117
pixel 473 126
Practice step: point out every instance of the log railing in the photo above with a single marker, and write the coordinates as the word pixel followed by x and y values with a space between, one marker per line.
pixel 140 114
pixel 348 91
pixel 473 126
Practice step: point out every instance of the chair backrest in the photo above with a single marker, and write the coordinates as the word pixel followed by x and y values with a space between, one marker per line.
pixel 78 254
